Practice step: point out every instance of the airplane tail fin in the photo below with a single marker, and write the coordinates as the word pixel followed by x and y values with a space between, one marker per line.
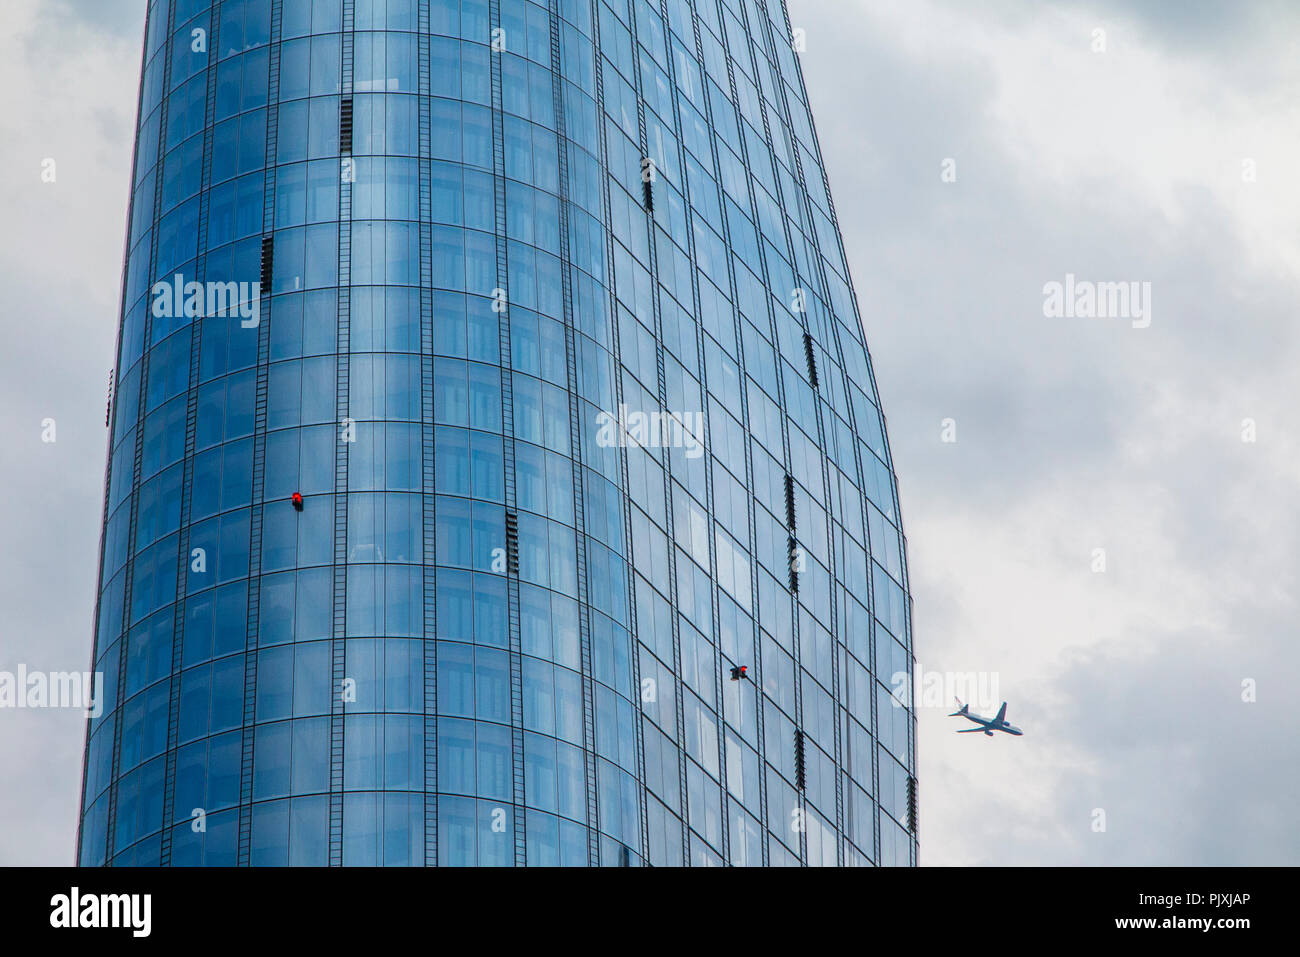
pixel 965 709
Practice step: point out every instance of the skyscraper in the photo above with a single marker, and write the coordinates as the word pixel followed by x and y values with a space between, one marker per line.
pixel 496 471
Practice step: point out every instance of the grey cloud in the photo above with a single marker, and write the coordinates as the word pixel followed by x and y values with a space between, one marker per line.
pixel 1055 416
pixel 119 17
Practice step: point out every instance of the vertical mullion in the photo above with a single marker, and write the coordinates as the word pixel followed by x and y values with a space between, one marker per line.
pixel 191 429
pixel 341 402
pixel 429 482
pixel 138 451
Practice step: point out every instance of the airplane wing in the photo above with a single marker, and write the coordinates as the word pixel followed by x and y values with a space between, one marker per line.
pixel 969 730
pixel 1002 712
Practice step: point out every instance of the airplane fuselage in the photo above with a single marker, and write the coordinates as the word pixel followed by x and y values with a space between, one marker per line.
pixel 989 725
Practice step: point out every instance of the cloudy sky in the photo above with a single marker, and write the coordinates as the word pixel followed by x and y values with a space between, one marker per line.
pixel 1163 149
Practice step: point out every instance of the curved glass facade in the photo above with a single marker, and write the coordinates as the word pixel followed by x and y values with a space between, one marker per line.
pixel 526 499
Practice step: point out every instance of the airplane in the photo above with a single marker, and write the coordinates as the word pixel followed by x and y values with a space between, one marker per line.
pixel 987 725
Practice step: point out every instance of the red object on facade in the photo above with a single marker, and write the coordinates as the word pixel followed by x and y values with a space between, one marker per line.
pixel 297 501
